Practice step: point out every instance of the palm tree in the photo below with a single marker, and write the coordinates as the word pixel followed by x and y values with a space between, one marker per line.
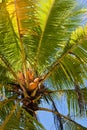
pixel 43 55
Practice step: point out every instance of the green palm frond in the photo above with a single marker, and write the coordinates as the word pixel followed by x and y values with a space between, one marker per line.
pixel 21 118
pixel 8 117
pixel 62 19
pixel 8 38
pixel 33 123
pixel 18 24
pixel 63 70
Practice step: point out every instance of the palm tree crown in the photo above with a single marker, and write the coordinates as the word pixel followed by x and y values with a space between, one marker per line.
pixel 43 53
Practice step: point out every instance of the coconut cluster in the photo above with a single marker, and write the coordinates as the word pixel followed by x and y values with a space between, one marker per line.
pixel 31 81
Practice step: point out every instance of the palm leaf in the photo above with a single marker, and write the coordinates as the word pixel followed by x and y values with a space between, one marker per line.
pixel 75 101
pixel 62 20
pixel 9 45
pixel 75 106
pixel 8 117
pixel 14 26
pixel 64 67
pixel 16 118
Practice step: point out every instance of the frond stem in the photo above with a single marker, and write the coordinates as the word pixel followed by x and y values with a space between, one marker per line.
pixel 21 45
pixel 41 38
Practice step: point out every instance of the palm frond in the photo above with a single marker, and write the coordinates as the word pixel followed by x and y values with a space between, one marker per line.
pixel 63 18
pixel 61 115
pixel 8 117
pixel 14 117
pixel 73 109
pixel 76 104
pixel 80 98
pixel 63 70
pixel 75 99
pixel 34 124
pixel 19 24
pixel 28 29
pixel 8 39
